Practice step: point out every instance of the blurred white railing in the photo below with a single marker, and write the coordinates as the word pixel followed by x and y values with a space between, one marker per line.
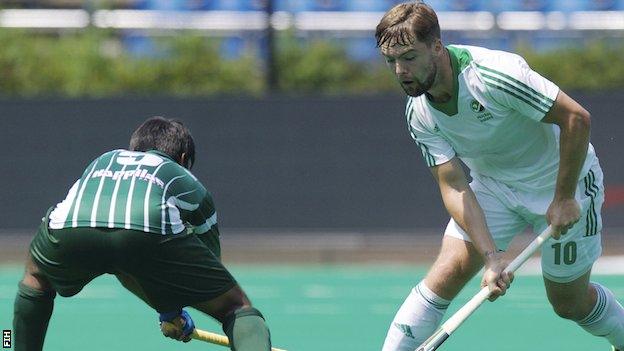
pixel 228 21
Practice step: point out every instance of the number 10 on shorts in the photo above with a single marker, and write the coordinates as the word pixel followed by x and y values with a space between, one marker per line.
pixel 568 252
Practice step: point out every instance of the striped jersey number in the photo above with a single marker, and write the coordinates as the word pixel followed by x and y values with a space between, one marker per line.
pixel 131 158
pixel 568 253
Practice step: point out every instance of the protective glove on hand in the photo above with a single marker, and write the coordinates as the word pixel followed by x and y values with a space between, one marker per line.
pixel 177 325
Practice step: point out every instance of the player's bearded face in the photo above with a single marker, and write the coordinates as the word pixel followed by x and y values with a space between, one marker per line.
pixel 415 86
pixel 413 65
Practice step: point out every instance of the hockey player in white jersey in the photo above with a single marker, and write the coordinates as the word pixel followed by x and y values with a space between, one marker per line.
pixel 526 144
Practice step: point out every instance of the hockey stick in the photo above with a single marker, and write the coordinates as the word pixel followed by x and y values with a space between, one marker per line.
pixel 216 339
pixel 209 337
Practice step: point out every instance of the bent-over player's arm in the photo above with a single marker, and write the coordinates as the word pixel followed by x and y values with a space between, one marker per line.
pixel 574 122
pixel 461 203
pixel 541 100
pixel 197 209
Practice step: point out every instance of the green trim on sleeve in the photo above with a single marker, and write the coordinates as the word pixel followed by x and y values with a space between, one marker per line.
pixel 500 82
pixel 426 154
pixel 516 96
pixel 527 90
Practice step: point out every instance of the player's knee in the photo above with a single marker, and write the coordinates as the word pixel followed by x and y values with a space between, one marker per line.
pixel 34 279
pixel 30 292
pixel 230 310
pixel 226 305
pixel 246 311
pixel 567 310
pixel 447 280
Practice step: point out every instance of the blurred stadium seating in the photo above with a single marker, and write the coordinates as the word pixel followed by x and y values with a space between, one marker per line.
pixel 503 24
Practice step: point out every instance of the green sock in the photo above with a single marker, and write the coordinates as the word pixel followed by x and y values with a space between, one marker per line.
pixel 31 314
pixel 247 331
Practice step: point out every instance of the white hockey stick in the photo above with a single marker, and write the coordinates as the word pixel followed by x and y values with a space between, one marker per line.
pixel 446 329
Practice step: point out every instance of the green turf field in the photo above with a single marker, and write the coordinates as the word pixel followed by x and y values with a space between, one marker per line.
pixel 312 308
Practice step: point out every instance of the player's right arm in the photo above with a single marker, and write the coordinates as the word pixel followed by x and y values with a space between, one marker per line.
pixel 459 199
pixel 461 203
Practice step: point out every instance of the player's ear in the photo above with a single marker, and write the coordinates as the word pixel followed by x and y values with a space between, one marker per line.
pixel 438 48
pixel 184 162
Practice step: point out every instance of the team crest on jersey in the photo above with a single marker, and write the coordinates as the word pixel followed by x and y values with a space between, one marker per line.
pixel 482 114
pixel 476 106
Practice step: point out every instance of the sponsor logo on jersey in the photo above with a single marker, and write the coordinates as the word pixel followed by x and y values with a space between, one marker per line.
pixel 140 174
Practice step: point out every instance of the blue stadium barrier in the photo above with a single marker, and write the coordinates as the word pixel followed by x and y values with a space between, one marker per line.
pixel 168 5
pixel 587 5
pixel 234 5
pixel 363 48
pixel 369 5
pixel 557 5
pixel 439 5
pixel 309 5
pixel 469 5
pixel 459 5
pixel 521 5
pixel 583 5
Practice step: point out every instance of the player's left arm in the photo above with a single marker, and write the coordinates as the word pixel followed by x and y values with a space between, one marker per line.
pixel 574 122
pixel 198 211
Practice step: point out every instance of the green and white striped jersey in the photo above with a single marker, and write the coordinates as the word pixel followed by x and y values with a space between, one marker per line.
pixel 493 122
pixel 145 191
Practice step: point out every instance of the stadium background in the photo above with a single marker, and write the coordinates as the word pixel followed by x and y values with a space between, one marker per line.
pixel 324 202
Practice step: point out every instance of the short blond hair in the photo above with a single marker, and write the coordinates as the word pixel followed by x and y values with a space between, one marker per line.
pixel 407 22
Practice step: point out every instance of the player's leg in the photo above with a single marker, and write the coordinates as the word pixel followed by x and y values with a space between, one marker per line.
pixel 53 267
pixel 243 324
pixel 174 272
pixel 457 262
pixel 33 307
pixel 423 309
pixel 567 264
pixel 591 305
pixel 210 239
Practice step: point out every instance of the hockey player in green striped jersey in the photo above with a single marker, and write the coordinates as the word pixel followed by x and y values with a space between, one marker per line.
pixel 141 215
pixel 526 144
